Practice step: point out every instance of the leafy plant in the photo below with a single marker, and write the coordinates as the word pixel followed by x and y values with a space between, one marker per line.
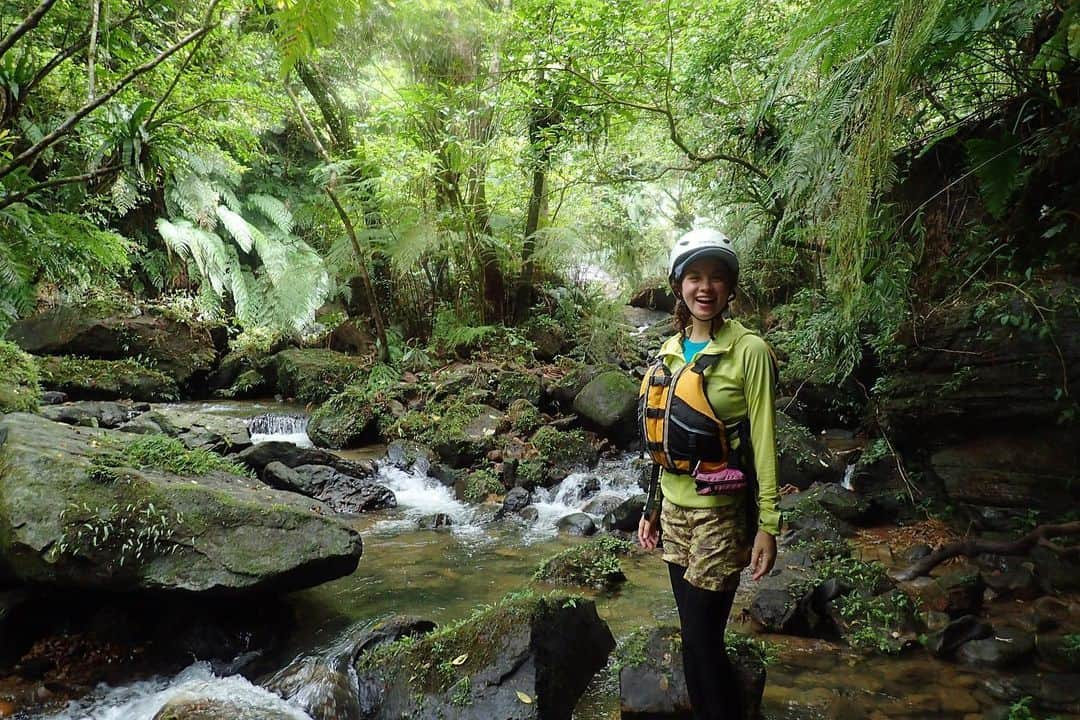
pixel 128 534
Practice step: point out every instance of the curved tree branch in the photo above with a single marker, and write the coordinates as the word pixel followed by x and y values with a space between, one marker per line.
pixel 1039 536
pixel 33 189
pixel 29 23
pixel 30 154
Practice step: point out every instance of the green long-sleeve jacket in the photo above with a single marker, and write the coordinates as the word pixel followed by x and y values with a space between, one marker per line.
pixel 740 385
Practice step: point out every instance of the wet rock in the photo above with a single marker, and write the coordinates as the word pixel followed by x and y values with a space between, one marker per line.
pixel 626 516
pixel 523 659
pixel 563 390
pixel 530 514
pixel 403 454
pixel 53 397
pixel 189 708
pixel 346 420
pixel 578 524
pixel 257 457
pixel 602 504
pixel 216 532
pixel 784 603
pixel 589 487
pixel 1059 651
pixel 342 493
pixel 593 563
pixel 958 593
pixel 944 642
pixel 608 402
pixel 516 500
pixel 1007 647
pixel 94 413
pixel 803 458
pixel 1017 581
pixel 916 552
pixel 809 522
pixel 1056 573
pixel 321 684
pixel 1051 692
pixel 463 446
pixel 652 683
pixel 315 374
pixel 844 505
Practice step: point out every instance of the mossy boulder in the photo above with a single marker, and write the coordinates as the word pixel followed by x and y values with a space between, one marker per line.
pixel 185 707
pixel 90 379
pixel 524 417
pixel 184 351
pixel 525 658
pixel 460 432
pixel 652 683
pixel 314 374
pixel 563 450
pixel 197 430
pixel 517 385
pixel 478 486
pixel 803 459
pixel 345 420
pixel 19 389
pixel 594 563
pixel 608 402
pixel 83 508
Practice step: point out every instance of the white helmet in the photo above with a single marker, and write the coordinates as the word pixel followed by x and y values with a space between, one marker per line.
pixel 696 244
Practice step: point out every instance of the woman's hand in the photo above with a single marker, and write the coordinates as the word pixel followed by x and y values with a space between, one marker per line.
pixel 648 532
pixel 763 556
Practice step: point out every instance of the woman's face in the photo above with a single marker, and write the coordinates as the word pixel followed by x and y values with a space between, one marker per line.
pixel 705 288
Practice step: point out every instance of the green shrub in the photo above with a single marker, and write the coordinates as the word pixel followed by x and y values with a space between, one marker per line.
pixel 594 563
pixel 160 452
pixel 564 448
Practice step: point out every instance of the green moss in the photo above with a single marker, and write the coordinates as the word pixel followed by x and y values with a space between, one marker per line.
pixel 438 422
pixel 160 452
pixel 565 448
pixel 19 389
pixel 343 419
pixel 531 473
pixel 438 661
pixel 113 378
pixel 519 385
pixel 594 563
pixel 524 417
pixel 481 484
pixel 313 375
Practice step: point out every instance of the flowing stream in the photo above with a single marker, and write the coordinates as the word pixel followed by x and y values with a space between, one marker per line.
pixel 443 574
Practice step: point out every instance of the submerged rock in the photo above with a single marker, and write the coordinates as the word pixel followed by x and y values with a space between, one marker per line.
pixel 526 658
pixel 77 518
pixel 577 524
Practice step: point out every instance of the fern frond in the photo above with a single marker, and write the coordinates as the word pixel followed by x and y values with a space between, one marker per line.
pixel 273 210
pixel 237 226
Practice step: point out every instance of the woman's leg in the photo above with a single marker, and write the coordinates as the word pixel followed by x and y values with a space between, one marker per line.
pixel 710 679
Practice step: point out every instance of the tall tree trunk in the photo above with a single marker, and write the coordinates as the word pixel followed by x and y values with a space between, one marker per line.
pixel 541 147
pixel 91 53
pixel 334 113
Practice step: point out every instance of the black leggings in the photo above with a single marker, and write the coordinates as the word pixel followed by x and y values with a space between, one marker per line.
pixel 710 679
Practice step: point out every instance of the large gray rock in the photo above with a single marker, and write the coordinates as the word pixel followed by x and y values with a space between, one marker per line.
pixel 69 524
pixel 94 413
pixel 803 458
pixel 206 430
pixel 608 401
pixel 257 457
pixel 1007 647
pixel 523 659
pixel 342 493
pixel 652 683
pixel 183 351
pixel 96 379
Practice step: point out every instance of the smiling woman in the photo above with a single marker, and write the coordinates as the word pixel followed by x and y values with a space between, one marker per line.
pixel 717 447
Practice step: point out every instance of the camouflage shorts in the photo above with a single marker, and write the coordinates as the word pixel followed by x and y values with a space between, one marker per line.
pixel 710 543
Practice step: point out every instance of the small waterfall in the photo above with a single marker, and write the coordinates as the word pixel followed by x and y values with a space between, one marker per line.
pixel 615 478
pixel 849 472
pixel 142 700
pixel 270 426
pixel 420 496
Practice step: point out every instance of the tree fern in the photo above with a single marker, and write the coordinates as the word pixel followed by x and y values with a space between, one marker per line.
pixel 273 210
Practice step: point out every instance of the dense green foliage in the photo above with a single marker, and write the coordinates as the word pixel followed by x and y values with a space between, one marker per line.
pixel 451 168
